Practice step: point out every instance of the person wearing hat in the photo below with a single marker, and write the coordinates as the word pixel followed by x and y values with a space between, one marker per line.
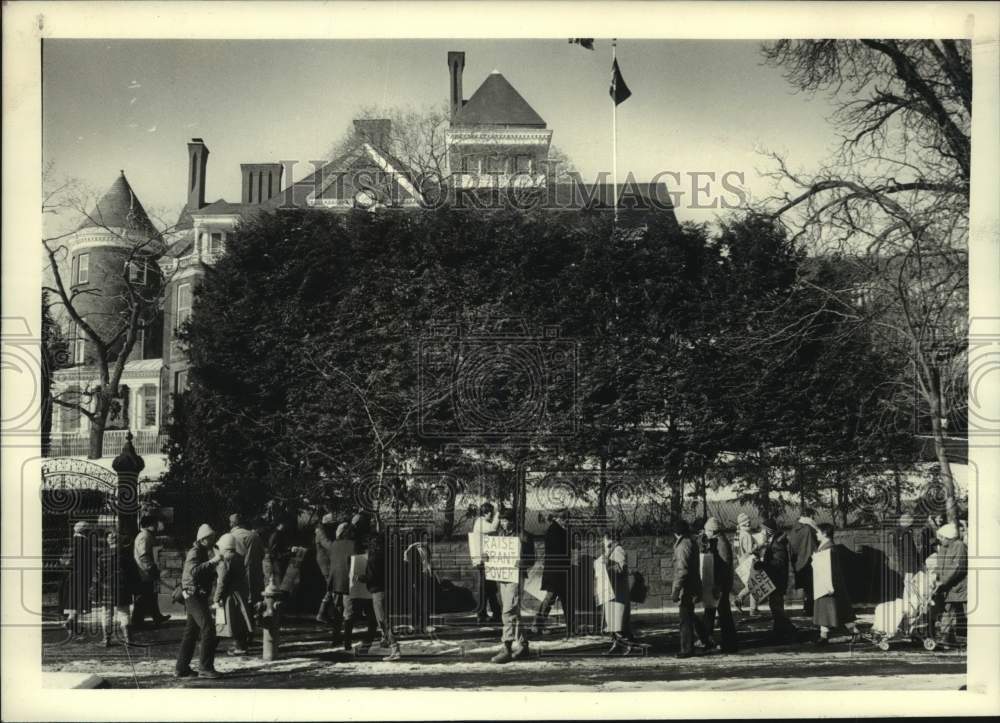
pixel 802 543
pixel 325 536
pixel 146 600
pixel 773 558
pixel 486 523
pixel 744 545
pixel 555 573
pixel 250 547
pixel 197 579
pixel 686 584
pixel 952 576
pixel 510 595
pixel 82 563
pixel 722 571
pixel 231 594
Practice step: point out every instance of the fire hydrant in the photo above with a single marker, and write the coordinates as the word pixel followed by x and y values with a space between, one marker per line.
pixel 274 599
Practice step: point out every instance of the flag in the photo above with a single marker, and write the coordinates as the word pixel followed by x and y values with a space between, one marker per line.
pixel 587 43
pixel 619 91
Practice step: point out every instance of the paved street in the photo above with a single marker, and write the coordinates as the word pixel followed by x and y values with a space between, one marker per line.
pixel 457 657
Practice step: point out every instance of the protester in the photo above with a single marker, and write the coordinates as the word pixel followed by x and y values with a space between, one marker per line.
pixel 617 604
pixel 486 524
pixel 686 586
pixel 952 576
pixel 116 580
pixel 911 546
pixel 723 570
pixel 345 610
pixel 802 543
pixel 278 552
pixel 146 599
pixel 251 549
pixel 556 572
pixel 324 539
pixel 197 579
pixel 421 579
pixel 78 582
pixel 510 596
pixel 744 546
pixel 772 558
pixel 833 608
pixel 375 577
pixel 231 593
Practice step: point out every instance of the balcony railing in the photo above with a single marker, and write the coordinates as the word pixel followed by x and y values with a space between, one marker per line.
pixel 78 445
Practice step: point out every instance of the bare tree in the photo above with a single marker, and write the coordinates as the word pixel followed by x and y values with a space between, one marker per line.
pixel 892 202
pixel 135 292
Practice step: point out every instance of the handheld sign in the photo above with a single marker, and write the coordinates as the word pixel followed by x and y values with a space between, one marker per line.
pixel 502 555
pixel 756 581
pixel 822 574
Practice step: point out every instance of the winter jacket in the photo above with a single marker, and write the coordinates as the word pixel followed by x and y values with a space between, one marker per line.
pixel 116 576
pixel 198 574
pixel 144 560
pixel 231 578
pixel 374 574
pixel 953 570
pixel 687 566
pixel 802 543
pixel 907 543
pixel 723 565
pixel 340 564
pixel 250 547
pixel 773 559
pixel 324 543
pixel 556 560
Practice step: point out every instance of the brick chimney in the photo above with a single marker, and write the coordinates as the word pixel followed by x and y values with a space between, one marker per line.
pixel 260 182
pixel 198 163
pixel 374 131
pixel 456 64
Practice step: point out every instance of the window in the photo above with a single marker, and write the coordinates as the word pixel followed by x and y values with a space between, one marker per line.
pixel 147 409
pixel 79 345
pixel 140 344
pixel 83 268
pixel 495 164
pixel 180 381
pixel 137 272
pixel 183 302
pixel 522 164
pixel 215 243
pixel 470 164
pixel 69 419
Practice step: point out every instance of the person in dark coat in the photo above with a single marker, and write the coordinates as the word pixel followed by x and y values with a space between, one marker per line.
pixel 952 584
pixel 723 568
pixel 773 558
pixel 197 581
pixel 116 578
pixel 802 543
pixel 325 536
pixel 278 552
pixel 146 600
pixel 832 608
pixel 375 577
pixel 686 585
pixel 79 582
pixel 555 573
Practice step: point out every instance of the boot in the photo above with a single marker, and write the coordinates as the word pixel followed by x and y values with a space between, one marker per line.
pixel 107 640
pixel 324 607
pixel 522 652
pixel 504 656
pixel 393 655
pixel 348 635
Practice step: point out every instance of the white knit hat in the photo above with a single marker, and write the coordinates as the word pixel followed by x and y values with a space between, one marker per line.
pixel 226 542
pixel 81 526
pixel 947 532
pixel 204 531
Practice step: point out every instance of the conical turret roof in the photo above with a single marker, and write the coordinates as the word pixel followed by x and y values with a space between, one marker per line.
pixel 119 208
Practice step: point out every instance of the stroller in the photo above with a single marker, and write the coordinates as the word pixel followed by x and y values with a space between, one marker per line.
pixel 911 618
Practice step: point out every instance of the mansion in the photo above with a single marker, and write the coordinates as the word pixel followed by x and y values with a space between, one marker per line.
pixel 493 140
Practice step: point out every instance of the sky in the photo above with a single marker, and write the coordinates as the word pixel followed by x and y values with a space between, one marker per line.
pixel 696 106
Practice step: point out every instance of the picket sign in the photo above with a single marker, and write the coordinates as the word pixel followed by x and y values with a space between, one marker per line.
pixel 533 581
pixel 756 581
pixel 822 574
pixel 502 555
pixel 603 589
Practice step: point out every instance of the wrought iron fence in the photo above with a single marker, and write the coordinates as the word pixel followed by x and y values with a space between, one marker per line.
pixel 78 445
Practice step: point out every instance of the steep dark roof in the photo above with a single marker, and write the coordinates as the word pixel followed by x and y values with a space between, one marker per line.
pixel 119 208
pixel 221 206
pixel 497 103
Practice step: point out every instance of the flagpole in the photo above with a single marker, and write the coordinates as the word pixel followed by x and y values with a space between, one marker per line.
pixel 614 136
